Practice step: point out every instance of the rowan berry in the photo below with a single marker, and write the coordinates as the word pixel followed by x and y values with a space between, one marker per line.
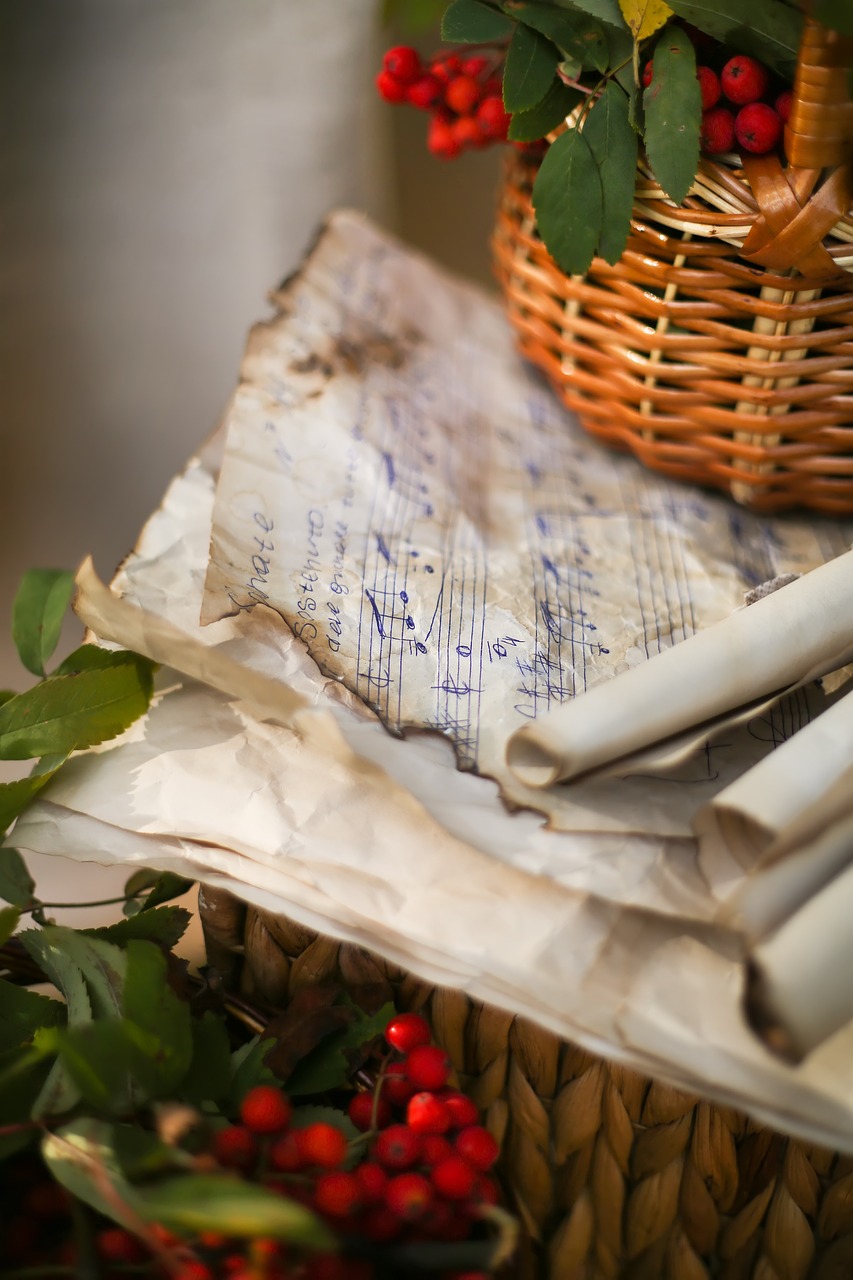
pixel 380 1225
pixel 648 73
pixel 235 1147
pixel 492 117
pixel 445 68
pixel 402 62
pixel 337 1194
pixel 462 1110
pixel 476 1145
pixel 467 133
pixel 194 1271
pixel 390 88
pixel 434 1148
pixel 406 1031
pixel 397 1147
pixel 427 1067
pixel 372 1181
pixel 424 92
pixel 427 1113
pixel 485 1192
pixel 744 79
pixel 395 1083
pixel 758 128
pixel 408 1196
pixel 474 66
pixel 265 1109
pixel 114 1244
pixel 783 105
pixel 361 1111
pixel 462 94
pixel 436 1220
pixel 718 131
pixel 213 1239
pixel 453 1178
pixel 285 1155
pixel 709 87
pixel 322 1144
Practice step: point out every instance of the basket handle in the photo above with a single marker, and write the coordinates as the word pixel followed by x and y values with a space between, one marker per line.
pixel 800 204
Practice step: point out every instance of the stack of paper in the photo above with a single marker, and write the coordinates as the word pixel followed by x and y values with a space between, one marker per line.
pixel 402 551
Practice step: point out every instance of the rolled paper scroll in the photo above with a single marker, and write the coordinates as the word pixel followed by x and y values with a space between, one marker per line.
pixel 783 640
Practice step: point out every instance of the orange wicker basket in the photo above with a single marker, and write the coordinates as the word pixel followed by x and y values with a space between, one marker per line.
pixel 719 349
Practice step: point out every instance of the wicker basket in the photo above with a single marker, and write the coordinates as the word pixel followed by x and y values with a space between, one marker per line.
pixel 719 349
pixel 613 1175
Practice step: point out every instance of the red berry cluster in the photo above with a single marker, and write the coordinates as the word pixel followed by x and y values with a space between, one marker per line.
pixel 462 94
pixel 734 108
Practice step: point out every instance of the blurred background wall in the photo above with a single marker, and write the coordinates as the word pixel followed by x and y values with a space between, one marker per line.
pixel 162 164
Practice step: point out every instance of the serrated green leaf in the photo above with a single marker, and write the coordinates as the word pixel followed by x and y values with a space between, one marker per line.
pixel 91 657
pixel 247 1070
pixel 558 103
pixel 16 883
pixel 37 613
pixel 202 1202
pixel 68 713
pixel 140 881
pixel 151 1004
pixel 23 1012
pixel 837 14
pixel 209 1076
pixel 168 885
pixel 766 29
pixel 469 22
pixel 48 954
pixel 329 1066
pixel 614 146
pixel 15 796
pixel 98 1058
pixel 673 113
pixel 531 63
pixel 567 198
pixel 605 10
pixel 163 925
pixel 81 1156
pixel 102 965
pixel 575 33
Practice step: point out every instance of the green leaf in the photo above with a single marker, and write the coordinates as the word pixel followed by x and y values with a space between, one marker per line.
pixel 142 1154
pixel 168 885
pixel 531 63
pixel 576 34
pixel 98 1058
pixel 469 22
pixel 558 103
pixel 6 694
pixel 836 14
pixel 614 146
pixel 163 925
pixel 330 1065
pixel 248 1069
pixel 81 1157
pixel 68 713
pixel 9 917
pixel 150 1003
pixel 24 1012
pixel 604 10
pixel 37 614
pixel 48 953
pixel 91 657
pixel 22 1075
pixel 103 966
pixel 15 796
pixel 568 201
pixel 202 1202
pixel 209 1076
pixel 766 29
pixel 673 112
pixel 16 883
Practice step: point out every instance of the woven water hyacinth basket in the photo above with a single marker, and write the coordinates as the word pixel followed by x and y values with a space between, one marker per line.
pixel 719 349
pixel 614 1177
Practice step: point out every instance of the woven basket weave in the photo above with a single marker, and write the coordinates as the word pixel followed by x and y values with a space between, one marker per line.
pixel 719 349
pixel 613 1176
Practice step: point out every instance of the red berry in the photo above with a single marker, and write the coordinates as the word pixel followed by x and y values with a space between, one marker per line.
pixel 427 1113
pixel 462 94
pixel 648 73
pixel 117 1245
pixel 265 1109
pixel 428 1067
pixel 492 118
pixel 235 1147
pixel 322 1144
pixel 476 1145
pixel 327 1266
pixel 709 86
pixel 462 1110
pixel 372 1181
pixel 758 128
pixel 408 1196
pixel 485 1192
pixel 718 131
pixel 441 142
pixel 437 1219
pixel 446 68
pixel 406 1031
pixel 402 62
pixel 285 1154
pixel 424 92
pixel 397 1147
pixel 744 79
pixel 337 1194
pixel 467 133
pixel 474 66
pixel 435 1148
pixel 395 1084
pixel 360 1111
pixel 390 88
pixel 194 1271
pixel 783 105
pixel 381 1225
pixel 454 1178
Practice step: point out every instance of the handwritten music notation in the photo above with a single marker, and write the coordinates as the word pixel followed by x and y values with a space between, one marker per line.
pixel 434 527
